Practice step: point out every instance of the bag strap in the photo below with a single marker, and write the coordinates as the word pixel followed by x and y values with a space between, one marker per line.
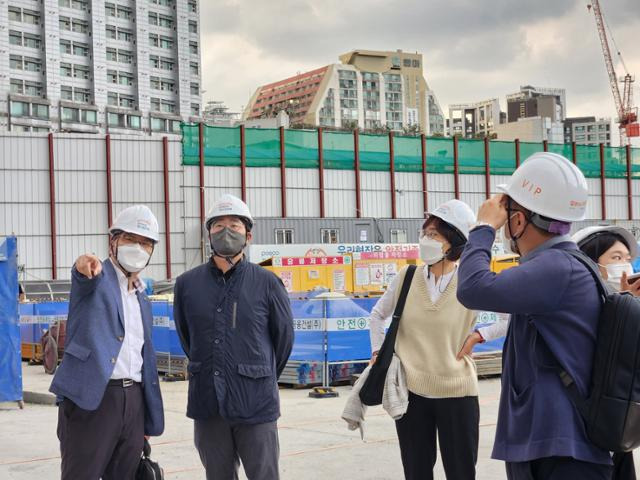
pixel 146 449
pixel 593 269
pixel 390 340
pixel 567 380
pixel 404 292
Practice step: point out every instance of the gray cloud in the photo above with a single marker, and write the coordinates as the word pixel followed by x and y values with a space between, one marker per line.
pixel 472 49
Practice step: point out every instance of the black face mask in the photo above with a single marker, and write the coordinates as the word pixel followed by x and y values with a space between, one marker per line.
pixel 227 243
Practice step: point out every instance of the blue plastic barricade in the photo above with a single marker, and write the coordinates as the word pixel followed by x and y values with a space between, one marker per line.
pixel 10 361
pixel 175 347
pixel 27 321
pixel 347 330
pixel 308 330
pixel 160 329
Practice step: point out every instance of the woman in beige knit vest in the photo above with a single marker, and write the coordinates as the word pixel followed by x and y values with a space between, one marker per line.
pixel 443 391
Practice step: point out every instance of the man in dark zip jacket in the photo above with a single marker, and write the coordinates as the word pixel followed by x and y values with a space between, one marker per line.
pixel 235 324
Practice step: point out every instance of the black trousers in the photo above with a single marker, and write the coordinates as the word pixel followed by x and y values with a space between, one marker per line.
pixel 557 468
pixel 455 421
pixel 104 443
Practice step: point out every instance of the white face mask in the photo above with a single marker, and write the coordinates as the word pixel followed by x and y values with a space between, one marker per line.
pixel 510 246
pixel 430 251
pixel 614 273
pixel 133 258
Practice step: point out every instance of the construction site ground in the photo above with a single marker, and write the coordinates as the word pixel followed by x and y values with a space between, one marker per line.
pixel 314 441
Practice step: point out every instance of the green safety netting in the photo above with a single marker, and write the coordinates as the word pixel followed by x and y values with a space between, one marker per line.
pixel 263 147
pixel 301 148
pixel 337 150
pixel 407 154
pixel 222 148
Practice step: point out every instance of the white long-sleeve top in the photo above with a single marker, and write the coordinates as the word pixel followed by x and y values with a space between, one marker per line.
pixel 383 310
pixel 496 330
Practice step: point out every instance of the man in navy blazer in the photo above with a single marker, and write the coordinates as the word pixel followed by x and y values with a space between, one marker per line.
pixel 107 384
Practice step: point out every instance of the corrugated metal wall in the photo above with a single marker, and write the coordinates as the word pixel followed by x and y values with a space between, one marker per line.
pixel 137 176
pixel 24 193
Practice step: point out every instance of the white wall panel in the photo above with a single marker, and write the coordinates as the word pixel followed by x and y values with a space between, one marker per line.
pixel 34 252
pixel 81 219
pixel 24 186
pixel 616 198
pixel 303 203
pixel 137 187
pixel 303 198
pixel 472 184
pixel 71 246
pixel 594 206
pixel 263 192
pixel 474 200
pixel 222 177
pixel 375 191
pixel 339 179
pixel 375 180
pixel 409 201
pixel 409 181
pixel 79 153
pixel 136 154
pixel 498 180
pixel 306 178
pixel 81 186
pixel 409 204
pixel 24 151
pixel 25 219
pixel 339 195
pixel 439 183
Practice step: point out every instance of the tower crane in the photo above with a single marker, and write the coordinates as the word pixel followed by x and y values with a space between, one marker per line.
pixel 627 113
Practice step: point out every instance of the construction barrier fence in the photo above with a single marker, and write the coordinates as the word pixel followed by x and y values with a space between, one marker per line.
pixel 222 146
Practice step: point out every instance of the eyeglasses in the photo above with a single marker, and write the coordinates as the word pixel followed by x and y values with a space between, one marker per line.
pixel 236 227
pixel 430 234
pixel 143 242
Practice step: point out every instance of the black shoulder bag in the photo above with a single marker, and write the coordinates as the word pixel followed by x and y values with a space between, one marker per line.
pixel 147 468
pixel 373 388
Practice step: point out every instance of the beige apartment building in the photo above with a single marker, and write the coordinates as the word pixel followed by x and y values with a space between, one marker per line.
pixel 370 89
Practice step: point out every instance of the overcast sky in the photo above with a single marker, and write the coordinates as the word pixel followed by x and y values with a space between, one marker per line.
pixel 472 49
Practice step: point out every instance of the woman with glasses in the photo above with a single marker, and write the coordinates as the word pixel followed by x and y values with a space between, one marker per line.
pixel 443 390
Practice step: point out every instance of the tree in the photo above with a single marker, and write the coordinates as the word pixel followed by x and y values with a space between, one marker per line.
pixel 412 130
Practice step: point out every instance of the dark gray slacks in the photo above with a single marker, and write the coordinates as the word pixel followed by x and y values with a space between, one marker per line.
pixel 104 443
pixel 222 446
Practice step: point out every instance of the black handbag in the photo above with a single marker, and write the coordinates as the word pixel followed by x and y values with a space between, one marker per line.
pixel 373 387
pixel 147 468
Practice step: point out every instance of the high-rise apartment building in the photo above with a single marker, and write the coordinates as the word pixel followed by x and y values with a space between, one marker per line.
pixel 368 89
pixel 119 66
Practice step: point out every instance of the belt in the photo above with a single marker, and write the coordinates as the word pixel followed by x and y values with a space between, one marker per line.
pixel 122 382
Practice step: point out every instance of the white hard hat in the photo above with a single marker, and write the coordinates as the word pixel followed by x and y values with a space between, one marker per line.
pixel 584 236
pixel 551 186
pixel 138 220
pixel 229 205
pixel 457 214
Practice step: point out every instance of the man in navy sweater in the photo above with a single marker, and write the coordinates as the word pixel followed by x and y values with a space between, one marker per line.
pixel 555 309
